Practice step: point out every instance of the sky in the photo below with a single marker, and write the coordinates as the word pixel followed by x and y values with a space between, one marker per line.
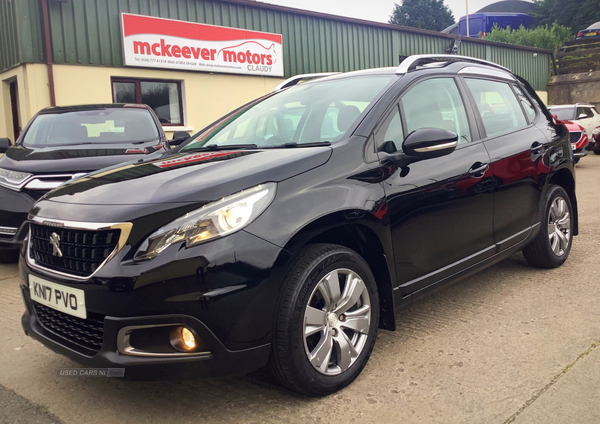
pixel 373 10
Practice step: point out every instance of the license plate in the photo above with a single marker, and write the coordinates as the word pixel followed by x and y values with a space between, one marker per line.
pixel 591 34
pixel 56 296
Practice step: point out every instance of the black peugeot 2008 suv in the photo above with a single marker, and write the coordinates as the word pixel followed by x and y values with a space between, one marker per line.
pixel 286 233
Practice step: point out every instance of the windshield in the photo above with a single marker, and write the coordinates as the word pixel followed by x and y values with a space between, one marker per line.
pixel 312 112
pixel 594 26
pixel 118 125
pixel 563 113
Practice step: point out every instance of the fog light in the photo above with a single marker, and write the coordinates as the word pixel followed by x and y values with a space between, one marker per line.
pixel 183 339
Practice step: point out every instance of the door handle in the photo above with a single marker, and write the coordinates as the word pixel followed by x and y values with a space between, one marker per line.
pixel 478 169
pixel 536 146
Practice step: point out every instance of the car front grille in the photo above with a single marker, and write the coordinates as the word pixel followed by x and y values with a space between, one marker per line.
pixel 85 334
pixel 83 251
pixel 574 137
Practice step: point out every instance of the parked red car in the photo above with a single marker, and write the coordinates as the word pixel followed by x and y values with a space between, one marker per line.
pixel 578 138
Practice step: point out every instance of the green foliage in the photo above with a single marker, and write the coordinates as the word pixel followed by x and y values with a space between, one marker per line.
pixel 575 14
pixel 427 14
pixel 543 37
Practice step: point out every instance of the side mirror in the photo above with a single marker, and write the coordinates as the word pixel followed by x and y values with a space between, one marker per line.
pixel 582 116
pixel 4 144
pixel 179 137
pixel 427 143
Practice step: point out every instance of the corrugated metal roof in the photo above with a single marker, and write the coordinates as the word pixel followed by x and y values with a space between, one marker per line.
pixel 87 32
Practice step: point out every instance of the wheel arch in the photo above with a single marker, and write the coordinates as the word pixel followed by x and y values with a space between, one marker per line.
pixel 565 179
pixel 363 237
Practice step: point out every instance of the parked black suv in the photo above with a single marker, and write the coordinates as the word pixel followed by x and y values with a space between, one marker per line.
pixel 60 143
pixel 285 234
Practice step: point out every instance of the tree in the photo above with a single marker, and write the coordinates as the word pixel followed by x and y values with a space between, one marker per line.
pixel 427 14
pixel 544 36
pixel 575 14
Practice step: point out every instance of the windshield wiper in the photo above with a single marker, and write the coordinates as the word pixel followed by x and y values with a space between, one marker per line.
pixel 212 147
pixel 293 144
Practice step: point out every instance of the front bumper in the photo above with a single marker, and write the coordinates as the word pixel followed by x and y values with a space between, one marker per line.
pixel 220 362
pixel 225 291
pixel 579 153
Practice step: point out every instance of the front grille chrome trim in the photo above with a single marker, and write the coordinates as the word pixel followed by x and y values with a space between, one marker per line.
pixel 125 228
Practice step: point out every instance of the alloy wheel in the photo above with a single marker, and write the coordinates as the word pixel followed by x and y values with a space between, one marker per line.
pixel 559 226
pixel 337 322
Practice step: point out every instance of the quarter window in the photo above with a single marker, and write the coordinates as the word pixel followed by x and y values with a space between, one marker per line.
pixel 436 103
pixel 527 106
pixel 391 135
pixel 164 97
pixel 497 105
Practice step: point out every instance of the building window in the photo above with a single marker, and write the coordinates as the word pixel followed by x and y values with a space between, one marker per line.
pixel 164 97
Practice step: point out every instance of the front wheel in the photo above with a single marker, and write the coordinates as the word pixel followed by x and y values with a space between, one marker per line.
pixel 551 247
pixel 327 320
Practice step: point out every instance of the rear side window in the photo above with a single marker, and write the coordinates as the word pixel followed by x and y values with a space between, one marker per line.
pixel 436 103
pixel 497 105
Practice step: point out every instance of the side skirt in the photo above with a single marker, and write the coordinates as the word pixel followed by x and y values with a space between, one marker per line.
pixel 502 253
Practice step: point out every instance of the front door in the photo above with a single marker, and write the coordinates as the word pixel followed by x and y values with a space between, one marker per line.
pixel 14 106
pixel 440 209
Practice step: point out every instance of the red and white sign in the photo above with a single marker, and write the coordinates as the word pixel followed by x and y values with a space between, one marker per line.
pixel 166 43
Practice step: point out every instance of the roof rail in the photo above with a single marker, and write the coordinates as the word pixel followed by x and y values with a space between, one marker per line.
pixel 411 62
pixel 297 78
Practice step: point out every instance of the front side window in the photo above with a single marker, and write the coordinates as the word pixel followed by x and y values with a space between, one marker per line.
pixel 113 125
pixel 497 105
pixel 436 103
pixel 164 97
pixel 312 112
pixel 584 111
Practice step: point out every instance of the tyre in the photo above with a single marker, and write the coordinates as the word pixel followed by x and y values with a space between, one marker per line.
pixel 8 256
pixel 327 321
pixel 597 152
pixel 551 247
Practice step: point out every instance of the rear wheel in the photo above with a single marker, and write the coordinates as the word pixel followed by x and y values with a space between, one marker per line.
pixel 551 247
pixel 327 321
pixel 8 256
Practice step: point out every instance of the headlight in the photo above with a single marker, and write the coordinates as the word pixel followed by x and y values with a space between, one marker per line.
pixel 216 219
pixel 13 179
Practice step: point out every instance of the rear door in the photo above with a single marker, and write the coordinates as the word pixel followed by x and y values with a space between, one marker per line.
pixel 516 146
pixel 440 209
